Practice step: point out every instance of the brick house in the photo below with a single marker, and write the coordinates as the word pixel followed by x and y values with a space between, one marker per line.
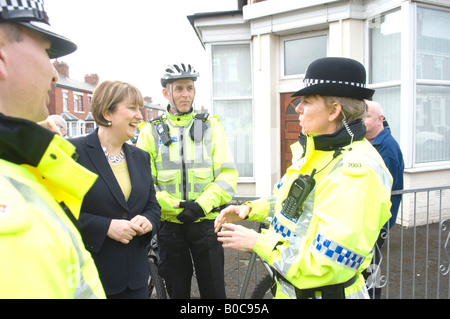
pixel 72 100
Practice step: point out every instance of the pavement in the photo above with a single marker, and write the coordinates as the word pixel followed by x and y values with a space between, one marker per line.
pixel 414 265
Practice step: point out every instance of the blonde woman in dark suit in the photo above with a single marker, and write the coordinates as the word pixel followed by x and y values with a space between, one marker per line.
pixel 120 213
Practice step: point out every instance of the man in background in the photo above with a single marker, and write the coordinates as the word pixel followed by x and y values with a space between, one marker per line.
pixel 60 123
pixel 379 135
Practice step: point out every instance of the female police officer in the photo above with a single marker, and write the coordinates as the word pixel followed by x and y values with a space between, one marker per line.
pixel 332 203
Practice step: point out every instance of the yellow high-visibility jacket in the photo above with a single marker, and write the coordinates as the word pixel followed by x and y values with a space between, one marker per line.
pixel 201 171
pixel 332 240
pixel 42 252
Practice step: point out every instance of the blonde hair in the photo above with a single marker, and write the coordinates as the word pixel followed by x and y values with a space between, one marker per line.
pixel 353 109
pixel 108 94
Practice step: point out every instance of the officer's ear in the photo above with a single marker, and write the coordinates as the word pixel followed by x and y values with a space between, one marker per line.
pixel 166 94
pixel 3 73
pixel 334 112
pixel 3 42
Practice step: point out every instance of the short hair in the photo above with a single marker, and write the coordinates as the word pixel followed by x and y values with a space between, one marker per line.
pixel 108 94
pixel 58 120
pixel 12 30
pixel 354 109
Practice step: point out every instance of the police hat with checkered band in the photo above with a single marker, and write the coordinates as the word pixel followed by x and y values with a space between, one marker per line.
pixel 334 76
pixel 31 14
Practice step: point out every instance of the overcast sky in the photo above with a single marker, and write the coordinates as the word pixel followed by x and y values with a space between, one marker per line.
pixel 133 40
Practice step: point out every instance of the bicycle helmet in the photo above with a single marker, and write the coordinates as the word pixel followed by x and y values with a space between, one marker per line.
pixel 178 71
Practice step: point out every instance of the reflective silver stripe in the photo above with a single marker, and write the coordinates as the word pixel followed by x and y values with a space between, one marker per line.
pixel 176 165
pixel 360 294
pixel 294 237
pixel 159 147
pixel 191 157
pixel 272 200
pixel 168 188
pixel 82 289
pixel 287 288
pixel 225 186
pixel 377 167
pixel 198 152
pixel 289 255
pixel 228 165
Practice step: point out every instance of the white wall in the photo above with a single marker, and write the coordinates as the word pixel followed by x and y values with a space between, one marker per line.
pixel 266 113
pixel 425 207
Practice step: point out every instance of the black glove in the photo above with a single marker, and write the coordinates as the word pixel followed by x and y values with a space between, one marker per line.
pixel 191 212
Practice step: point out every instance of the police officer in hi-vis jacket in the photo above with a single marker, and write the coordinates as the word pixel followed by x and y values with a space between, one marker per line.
pixel 41 185
pixel 328 209
pixel 194 175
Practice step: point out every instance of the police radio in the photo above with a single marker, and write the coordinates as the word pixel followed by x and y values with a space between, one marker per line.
pixel 300 189
pixel 163 132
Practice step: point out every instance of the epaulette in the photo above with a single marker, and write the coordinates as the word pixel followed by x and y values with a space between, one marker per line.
pixel 199 127
pixel 158 119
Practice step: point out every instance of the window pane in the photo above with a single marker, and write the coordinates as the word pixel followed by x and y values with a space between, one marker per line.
pixel 237 120
pixel 432 123
pixel 299 53
pixel 433 44
pixel 80 103
pixel 65 101
pixel 90 128
pixel 75 103
pixel 389 98
pixel 231 70
pixel 385 52
pixel 73 129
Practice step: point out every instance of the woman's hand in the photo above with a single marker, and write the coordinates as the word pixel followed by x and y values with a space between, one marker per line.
pixel 231 214
pixel 123 230
pixel 238 237
pixel 143 223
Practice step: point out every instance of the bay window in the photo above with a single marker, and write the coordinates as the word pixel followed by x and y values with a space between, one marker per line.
pixel 232 101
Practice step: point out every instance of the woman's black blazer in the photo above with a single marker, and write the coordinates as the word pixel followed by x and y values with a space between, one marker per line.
pixel 119 265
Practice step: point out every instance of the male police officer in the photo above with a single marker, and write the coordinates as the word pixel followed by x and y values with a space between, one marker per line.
pixel 194 173
pixel 41 186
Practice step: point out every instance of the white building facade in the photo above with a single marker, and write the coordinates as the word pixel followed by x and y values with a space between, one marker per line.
pixel 258 56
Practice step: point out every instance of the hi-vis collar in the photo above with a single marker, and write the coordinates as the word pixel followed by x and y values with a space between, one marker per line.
pixel 196 131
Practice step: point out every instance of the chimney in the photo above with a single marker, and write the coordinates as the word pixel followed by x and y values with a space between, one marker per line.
pixel 148 99
pixel 91 79
pixel 242 3
pixel 62 68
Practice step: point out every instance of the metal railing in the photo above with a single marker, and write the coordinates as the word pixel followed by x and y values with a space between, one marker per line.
pixel 415 256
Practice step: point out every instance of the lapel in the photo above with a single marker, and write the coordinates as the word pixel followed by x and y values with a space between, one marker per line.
pixel 132 157
pixel 98 159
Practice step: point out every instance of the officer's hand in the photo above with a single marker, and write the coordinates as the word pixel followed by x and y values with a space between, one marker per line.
pixel 191 212
pixel 238 237
pixel 231 214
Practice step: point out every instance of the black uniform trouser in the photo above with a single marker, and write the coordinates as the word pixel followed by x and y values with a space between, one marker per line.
pixel 183 246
